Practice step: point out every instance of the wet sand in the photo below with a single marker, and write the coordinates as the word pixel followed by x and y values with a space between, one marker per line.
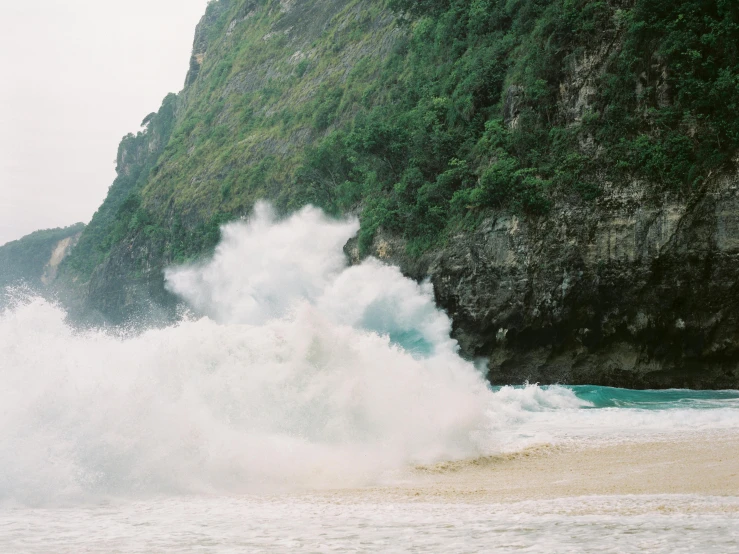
pixel 698 465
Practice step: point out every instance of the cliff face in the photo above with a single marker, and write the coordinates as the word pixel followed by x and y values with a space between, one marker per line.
pixel 93 291
pixel 562 171
pixel 34 260
pixel 638 292
pixel 259 72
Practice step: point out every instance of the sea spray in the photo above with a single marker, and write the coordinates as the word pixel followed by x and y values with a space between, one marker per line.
pixel 265 268
pixel 297 376
pixel 300 372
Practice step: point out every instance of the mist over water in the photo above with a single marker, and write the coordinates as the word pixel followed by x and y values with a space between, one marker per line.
pixel 296 376
pixel 300 372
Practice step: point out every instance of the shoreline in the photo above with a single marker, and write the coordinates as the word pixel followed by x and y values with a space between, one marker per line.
pixel 693 465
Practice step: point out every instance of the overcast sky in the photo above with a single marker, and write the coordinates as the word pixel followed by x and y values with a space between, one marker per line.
pixel 75 76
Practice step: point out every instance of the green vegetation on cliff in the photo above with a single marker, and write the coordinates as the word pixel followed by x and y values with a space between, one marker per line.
pixel 120 214
pixel 27 260
pixel 421 115
pixel 482 117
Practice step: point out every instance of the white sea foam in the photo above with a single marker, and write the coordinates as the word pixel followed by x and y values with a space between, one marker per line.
pixel 656 524
pixel 302 372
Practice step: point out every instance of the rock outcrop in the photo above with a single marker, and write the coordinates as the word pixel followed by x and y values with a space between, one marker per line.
pixel 34 260
pixel 639 292
pixel 60 252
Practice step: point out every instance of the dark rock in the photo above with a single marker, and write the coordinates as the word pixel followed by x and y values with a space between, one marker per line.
pixel 514 98
pixel 637 292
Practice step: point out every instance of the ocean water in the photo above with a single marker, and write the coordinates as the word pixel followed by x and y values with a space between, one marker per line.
pixel 294 375
pixel 652 524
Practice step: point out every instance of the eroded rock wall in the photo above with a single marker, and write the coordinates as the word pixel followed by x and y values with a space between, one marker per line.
pixel 638 292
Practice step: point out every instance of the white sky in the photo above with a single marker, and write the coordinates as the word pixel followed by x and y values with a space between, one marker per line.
pixel 75 76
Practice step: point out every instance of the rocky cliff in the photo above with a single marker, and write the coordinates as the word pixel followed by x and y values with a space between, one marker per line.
pixel 33 261
pixel 563 171
pixel 638 291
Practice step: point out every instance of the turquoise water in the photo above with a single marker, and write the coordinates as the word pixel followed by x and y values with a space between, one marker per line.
pixel 609 397
pixel 593 415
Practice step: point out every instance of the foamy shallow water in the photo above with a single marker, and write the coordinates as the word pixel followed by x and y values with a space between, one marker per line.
pixel 654 524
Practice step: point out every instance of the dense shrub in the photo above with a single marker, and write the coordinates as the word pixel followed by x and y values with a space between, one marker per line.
pixel 445 149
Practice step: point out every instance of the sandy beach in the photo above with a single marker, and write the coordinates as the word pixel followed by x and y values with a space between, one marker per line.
pixel 676 496
pixel 696 465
